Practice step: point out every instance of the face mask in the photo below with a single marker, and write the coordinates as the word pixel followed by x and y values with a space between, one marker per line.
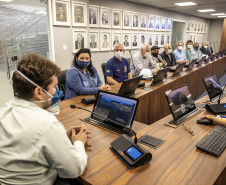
pixel 190 46
pixel 196 48
pixel 55 98
pixel 180 48
pixel 155 54
pixel 169 51
pixel 146 54
pixel 82 64
pixel 118 54
pixel 205 47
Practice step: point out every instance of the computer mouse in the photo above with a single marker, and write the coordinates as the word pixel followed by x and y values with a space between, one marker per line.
pixel 205 121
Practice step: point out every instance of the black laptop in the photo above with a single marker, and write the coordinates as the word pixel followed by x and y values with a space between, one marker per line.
pixel 181 104
pixel 117 112
pixel 162 73
pixel 200 60
pixel 191 65
pixel 129 86
pixel 179 69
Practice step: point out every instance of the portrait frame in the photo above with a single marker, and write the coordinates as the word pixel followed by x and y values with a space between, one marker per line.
pixel 151 18
pixel 163 23
pixel 102 34
pixel 96 8
pixel 114 23
pixel 134 27
pixel 133 46
pixel 106 24
pixel 143 25
pixel 192 26
pixel 145 37
pixel 169 24
pixel 157 23
pixel 195 27
pixel 168 38
pixel 202 28
pixel 157 39
pixel 205 28
pixel 82 22
pixel 128 45
pixel 91 45
pixel 188 27
pixel 113 34
pixel 199 27
pixel 75 33
pixel 56 16
pixel 162 39
pixel 129 15
pixel 151 35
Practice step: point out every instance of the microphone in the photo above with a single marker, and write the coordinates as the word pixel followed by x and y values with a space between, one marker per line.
pixel 219 100
pixel 126 129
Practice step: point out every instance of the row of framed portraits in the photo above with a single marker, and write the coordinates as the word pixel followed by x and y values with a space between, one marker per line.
pixel 105 17
pixel 105 40
pixel 196 27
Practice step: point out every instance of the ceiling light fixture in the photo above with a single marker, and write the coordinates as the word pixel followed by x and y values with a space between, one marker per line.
pixel 7 1
pixel 207 10
pixel 222 16
pixel 185 4
pixel 218 14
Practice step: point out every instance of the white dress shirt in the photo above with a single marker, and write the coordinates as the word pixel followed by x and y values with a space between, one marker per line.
pixel 34 146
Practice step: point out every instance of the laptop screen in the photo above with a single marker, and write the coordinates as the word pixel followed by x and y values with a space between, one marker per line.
pixel 115 107
pixel 180 101
pixel 213 86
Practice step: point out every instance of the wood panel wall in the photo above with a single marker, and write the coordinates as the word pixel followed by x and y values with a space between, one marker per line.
pixel 223 37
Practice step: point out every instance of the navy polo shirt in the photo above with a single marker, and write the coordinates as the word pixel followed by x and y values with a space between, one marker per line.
pixel 117 69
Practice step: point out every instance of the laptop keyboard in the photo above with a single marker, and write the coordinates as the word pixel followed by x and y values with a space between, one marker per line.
pixel 214 142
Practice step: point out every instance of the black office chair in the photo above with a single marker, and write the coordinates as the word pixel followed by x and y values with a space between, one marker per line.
pixel 129 60
pixel 103 69
pixel 61 82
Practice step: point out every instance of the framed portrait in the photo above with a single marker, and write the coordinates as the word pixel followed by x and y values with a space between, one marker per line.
pixel 126 37
pixel 202 27
pixel 168 39
pixel 164 19
pixel 143 37
pixel 105 41
pixel 157 23
pixel 195 27
pixel 188 27
pixel 94 40
pixel 93 16
pixel 169 24
pixel 61 12
pixel 143 21
pixel 135 40
pixel 79 14
pixel 205 28
pixel 150 39
pixel 162 41
pixel 151 22
pixel 116 18
pixel 192 27
pixel 79 39
pixel 105 17
pixel 199 28
pixel 116 36
pixel 127 19
pixel 157 36
pixel 195 38
pixel 136 20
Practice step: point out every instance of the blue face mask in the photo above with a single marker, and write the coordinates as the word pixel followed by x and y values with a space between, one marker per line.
pixel 57 96
pixel 82 64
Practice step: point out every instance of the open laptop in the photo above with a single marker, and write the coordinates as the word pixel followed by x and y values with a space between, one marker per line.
pixel 120 109
pixel 179 69
pixel 200 60
pixel 191 65
pixel 181 104
pixel 213 87
pixel 162 73
pixel 129 86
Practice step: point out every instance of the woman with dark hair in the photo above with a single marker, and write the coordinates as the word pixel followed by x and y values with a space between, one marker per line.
pixel 82 78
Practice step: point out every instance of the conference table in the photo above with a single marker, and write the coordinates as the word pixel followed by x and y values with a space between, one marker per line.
pixel 176 162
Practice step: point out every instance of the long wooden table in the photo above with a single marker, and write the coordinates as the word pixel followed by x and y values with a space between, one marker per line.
pixel 176 162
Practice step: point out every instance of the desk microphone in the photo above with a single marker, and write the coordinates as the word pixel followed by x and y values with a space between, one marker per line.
pixel 126 129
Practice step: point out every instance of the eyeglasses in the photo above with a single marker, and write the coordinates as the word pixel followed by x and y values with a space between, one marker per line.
pixel 188 129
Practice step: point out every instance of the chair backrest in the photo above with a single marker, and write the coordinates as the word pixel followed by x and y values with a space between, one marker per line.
pixel 103 69
pixel 62 82
pixel 129 60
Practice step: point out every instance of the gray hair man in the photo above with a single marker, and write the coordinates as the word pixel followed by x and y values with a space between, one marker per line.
pixel 180 53
pixel 205 49
pixel 168 55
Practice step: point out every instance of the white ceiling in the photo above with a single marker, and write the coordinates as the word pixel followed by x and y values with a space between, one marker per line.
pixel 218 5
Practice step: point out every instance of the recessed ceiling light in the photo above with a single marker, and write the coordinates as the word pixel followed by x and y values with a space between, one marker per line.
pixel 6 1
pixel 207 10
pixel 222 16
pixel 185 4
pixel 218 14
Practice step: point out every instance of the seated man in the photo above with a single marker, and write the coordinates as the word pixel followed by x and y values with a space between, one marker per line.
pixel 195 52
pixel 179 53
pixel 189 47
pixel 34 146
pixel 142 59
pixel 205 49
pixel 117 68
pixel 156 57
pixel 168 56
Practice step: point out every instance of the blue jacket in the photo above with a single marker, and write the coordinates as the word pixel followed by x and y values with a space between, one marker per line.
pixel 79 83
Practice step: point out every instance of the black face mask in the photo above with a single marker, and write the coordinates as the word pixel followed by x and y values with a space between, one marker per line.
pixel 155 54
pixel 196 48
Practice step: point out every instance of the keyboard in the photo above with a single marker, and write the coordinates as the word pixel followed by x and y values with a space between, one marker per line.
pixel 186 117
pixel 214 142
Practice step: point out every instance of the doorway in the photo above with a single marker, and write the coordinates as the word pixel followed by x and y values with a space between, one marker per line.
pixel 178 32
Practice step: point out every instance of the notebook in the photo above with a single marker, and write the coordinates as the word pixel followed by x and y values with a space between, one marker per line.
pixel 162 73
pixel 116 112
pixel 179 69
pixel 191 65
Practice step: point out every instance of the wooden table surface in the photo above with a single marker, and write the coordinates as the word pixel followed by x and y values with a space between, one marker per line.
pixel 176 162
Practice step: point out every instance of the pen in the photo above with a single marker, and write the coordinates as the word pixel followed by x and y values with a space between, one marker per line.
pixel 188 129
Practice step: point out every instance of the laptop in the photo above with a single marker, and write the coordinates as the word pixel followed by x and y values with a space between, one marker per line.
pixel 191 65
pixel 116 112
pixel 181 104
pixel 213 87
pixel 129 86
pixel 179 69
pixel 200 60
pixel 162 73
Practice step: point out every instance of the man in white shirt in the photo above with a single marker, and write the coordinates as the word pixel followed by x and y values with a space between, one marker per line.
pixel 142 59
pixel 34 145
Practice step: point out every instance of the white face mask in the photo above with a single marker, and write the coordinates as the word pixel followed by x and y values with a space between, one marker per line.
pixel 118 54
pixel 146 54
pixel 205 47
pixel 180 48
pixel 169 51
pixel 190 46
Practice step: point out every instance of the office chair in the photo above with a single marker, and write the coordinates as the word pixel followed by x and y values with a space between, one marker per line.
pixel 129 60
pixel 61 82
pixel 103 69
